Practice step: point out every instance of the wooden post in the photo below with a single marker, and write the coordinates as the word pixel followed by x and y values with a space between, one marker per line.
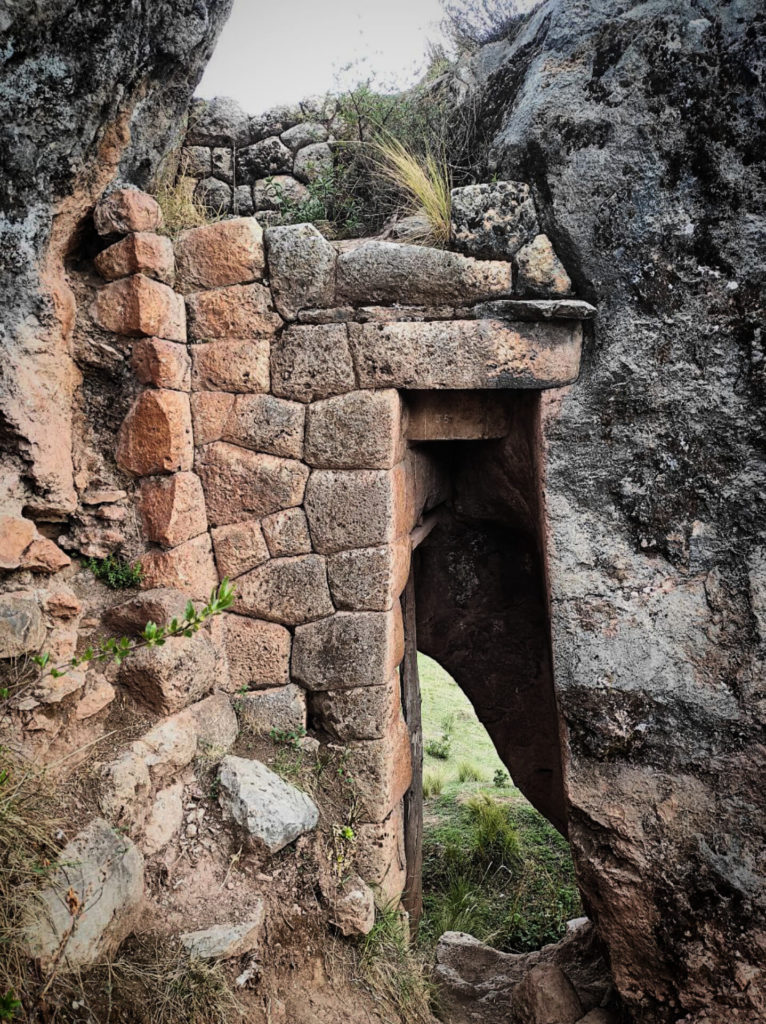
pixel 412 900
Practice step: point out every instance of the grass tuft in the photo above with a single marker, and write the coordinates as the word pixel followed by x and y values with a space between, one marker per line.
pixel 433 784
pixel 393 970
pixel 466 772
pixel 424 184
pixel 181 209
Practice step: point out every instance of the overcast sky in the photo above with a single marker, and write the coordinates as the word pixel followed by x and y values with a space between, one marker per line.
pixel 280 52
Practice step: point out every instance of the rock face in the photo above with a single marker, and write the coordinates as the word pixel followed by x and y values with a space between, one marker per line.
pixel 640 141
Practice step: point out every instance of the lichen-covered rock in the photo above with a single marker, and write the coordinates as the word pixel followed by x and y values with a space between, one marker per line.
pixel 223 941
pixel 287 533
pixel 313 161
pixel 360 430
pixel 274 192
pixel 493 221
pixel 215 195
pixel 243 204
pixel 269 156
pixel 301 268
pixel 195 161
pixel 214 255
pixel 304 134
pixel 217 122
pixel 347 650
pixel 258 652
pixel 273 122
pixel 363 713
pixel 270 811
pixel 222 162
pixel 266 424
pixel 369 579
pixel 353 508
pixel 280 707
pixel 539 270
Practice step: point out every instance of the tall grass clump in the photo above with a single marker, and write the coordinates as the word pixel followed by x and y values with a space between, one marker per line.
pixel 424 184
pixel 392 969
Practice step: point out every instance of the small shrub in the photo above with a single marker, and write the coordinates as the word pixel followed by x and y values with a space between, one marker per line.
pixel 501 778
pixel 330 204
pixel 466 772
pixel 433 784
pixel 115 572
pixel 439 748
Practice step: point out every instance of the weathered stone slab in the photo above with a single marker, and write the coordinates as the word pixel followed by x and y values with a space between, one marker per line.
pixel 214 255
pixel 188 567
pixel 271 812
pixel 139 305
pixel 171 677
pixel 369 579
pixel 539 270
pixel 239 365
pixel 243 204
pixel 535 309
pixel 100 872
pixel 156 435
pixel 281 707
pixel 286 590
pixel 312 161
pixel 354 508
pixel 379 856
pixel 141 253
pixel 172 508
pixel 210 410
pixel 258 652
pixel 124 789
pixel 457 415
pixel 413 275
pixel 215 195
pixel 267 424
pixel 22 630
pixel 363 713
pixel 493 220
pixel 287 533
pixel 240 484
pixel 382 314
pixel 126 210
pixel 360 430
pixel 348 649
pixel 164 364
pixel 301 268
pixel 239 311
pixel 381 770
pixel 239 548
pixel 466 355
pixel 308 363
pixel 223 941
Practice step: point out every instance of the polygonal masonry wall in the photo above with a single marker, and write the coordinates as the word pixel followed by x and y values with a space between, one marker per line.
pixel 289 382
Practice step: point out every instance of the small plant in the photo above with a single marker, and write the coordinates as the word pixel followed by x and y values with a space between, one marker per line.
pixel 466 772
pixel 424 184
pixel 116 572
pixel 288 737
pixel 500 779
pixel 9 1005
pixel 439 748
pixel 433 784
pixel 495 840
pixel 394 970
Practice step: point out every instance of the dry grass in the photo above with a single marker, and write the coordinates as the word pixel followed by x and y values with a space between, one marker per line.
pixel 424 184
pixel 181 209
pixel 394 972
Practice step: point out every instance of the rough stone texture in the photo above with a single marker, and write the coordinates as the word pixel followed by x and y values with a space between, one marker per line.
pixel 214 255
pixel 450 416
pixel 159 606
pixel 308 363
pixel 258 652
pixel 361 430
pixel 381 770
pixel 162 363
pixel 188 567
pixel 217 122
pixel 352 907
pixel 271 812
pixel 156 435
pixel 195 161
pixel 22 630
pixel 171 677
pixel 240 484
pixel 287 533
pixel 210 410
pixel 369 579
pixel 238 366
pixel 215 195
pixel 99 695
pixel 239 548
pixel 539 270
pixel 224 941
pixel 301 268
pixel 273 122
pixel 379 856
pixel 269 156
pixel 267 424
pixel 545 996
pixel 313 161
pixel 172 508
pixel 364 713
pixel 43 555
pixel 271 193
pixel 466 354
pixel 239 311
pixel 105 873
pixel 348 649
pixel 140 253
pixel 535 309
pixel 493 221
pixel 124 789
pixel 290 591
pixel 243 205
pixel 164 820
pixel 388 272
pixel 16 534
pixel 139 305
pixel 304 134
pixel 281 707
pixel 353 508
pixel 126 210
pixel 222 161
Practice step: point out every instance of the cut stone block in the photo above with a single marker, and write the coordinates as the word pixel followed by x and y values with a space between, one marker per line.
pixel 360 430
pixel 215 722
pixel 540 271
pixel 43 555
pixel 287 533
pixel 195 162
pixel 313 161
pixel 274 121
pixel 217 122
pixel 286 590
pixel 159 606
pixel 216 196
pixel 493 220
pixel 237 365
pixel 224 253
pixel 381 770
pixel 222 164
pixel 364 713
pixel 126 210
pixel 171 677
pixel 239 548
pixel 188 567
pixel 301 268
pixel 258 652
pixel 348 649
pixel 264 158
pixel 271 812
pixel 101 873
pixel 225 941
pixel 282 707
pixel 304 134
pixel 369 579
pixel 308 363
pixel 379 856
pixel 156 435
pixel 141 253
pixel 354 508
pixel 412 275
pixel 210 410
pixel 22 630
pixel 172 508
pixel 240 484
pixel 164 820
pixel 243 205
pixel 267 424
pixel 457 415
pixel 466 355
pixel 139 305
pixel 16 534
pixel 546 994
pixel 165 364
pixel 271 193
pixel 239 311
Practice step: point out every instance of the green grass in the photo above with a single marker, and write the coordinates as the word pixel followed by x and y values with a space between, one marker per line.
pixel 115 572
pixel 492 865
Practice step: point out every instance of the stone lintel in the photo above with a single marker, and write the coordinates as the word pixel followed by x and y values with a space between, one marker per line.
pixel 497 309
